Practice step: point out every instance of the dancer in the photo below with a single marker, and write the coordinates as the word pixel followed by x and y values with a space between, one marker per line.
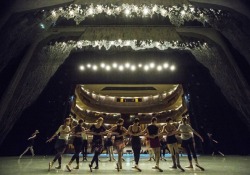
pixel 153 133
pixel 110 148
pixel 31 141
pixel 172 143
pixel 213 145
pixel 84 146
pixel 119 132
pixel 135 131
pixel 149 149
pixel 97 130
pixel 77 142
pixel 163 144
pixel 186 132
pixel 61 142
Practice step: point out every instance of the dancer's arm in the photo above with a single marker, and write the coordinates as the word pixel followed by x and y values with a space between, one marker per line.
pixel 56 133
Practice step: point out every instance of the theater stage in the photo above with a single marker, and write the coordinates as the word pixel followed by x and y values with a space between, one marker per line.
pixel 38 165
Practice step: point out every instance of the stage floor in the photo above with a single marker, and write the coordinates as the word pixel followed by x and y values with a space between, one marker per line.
pixel 38 165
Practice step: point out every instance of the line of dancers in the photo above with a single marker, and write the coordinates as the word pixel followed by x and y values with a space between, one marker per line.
pixel 153 132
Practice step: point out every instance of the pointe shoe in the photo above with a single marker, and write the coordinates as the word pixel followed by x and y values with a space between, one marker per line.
pixel 68 168
pixel 77 167
pixel 174 167
pixel 117 167
pixel 50 165
pixel 179 166
pixel 190 166
pixel 90 167
pixel 58 167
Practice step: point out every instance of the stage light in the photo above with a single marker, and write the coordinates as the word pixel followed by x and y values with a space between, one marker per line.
pixel 114 65
pixel 172 68
pixel 127 65
pixel 121 68
pixel 102 65
pixel 88 65
pixel 95 68
pixel 165 65
pixel 152 65
pixel 146 67
pixel 159 68
pixel 108 68
pixel 82 67
pixel 133 68
pixel 139 65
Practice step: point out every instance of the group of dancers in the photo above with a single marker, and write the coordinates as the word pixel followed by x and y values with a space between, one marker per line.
pixel 153 132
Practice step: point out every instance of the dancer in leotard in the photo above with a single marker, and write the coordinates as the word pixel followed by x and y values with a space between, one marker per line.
pixel 186 132
pixel 97 130
pixel 135 131
pixel 31 141
pixel 172 143
pixel 61 142
pixel 110 148
pixel 77 142
pixel 153 133
pixel 119 132
pixel 213 144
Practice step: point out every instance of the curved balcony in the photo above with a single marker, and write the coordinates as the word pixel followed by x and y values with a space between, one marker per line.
pixel 147 105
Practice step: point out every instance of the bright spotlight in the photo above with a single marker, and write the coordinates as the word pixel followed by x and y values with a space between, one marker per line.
pixel 159 68
pixel 102 65
pixel 140 65
pixel 152 65
pixel 108 68
pixel 95 67
pixel 133 68
pixel 127 65
pixel 172 68
pixel 114 65
pixel 121 68
pixel 146 67
pixel 89 65
pixel 165 65
pixel 82 67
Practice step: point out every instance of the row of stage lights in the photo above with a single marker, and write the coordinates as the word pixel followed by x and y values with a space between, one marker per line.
pixel 175 13
pixel 128 67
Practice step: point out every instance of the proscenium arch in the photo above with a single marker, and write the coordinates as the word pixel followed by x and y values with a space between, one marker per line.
pixel 21 83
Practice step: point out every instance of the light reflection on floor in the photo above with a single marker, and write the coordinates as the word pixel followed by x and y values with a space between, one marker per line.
pixel 38 165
